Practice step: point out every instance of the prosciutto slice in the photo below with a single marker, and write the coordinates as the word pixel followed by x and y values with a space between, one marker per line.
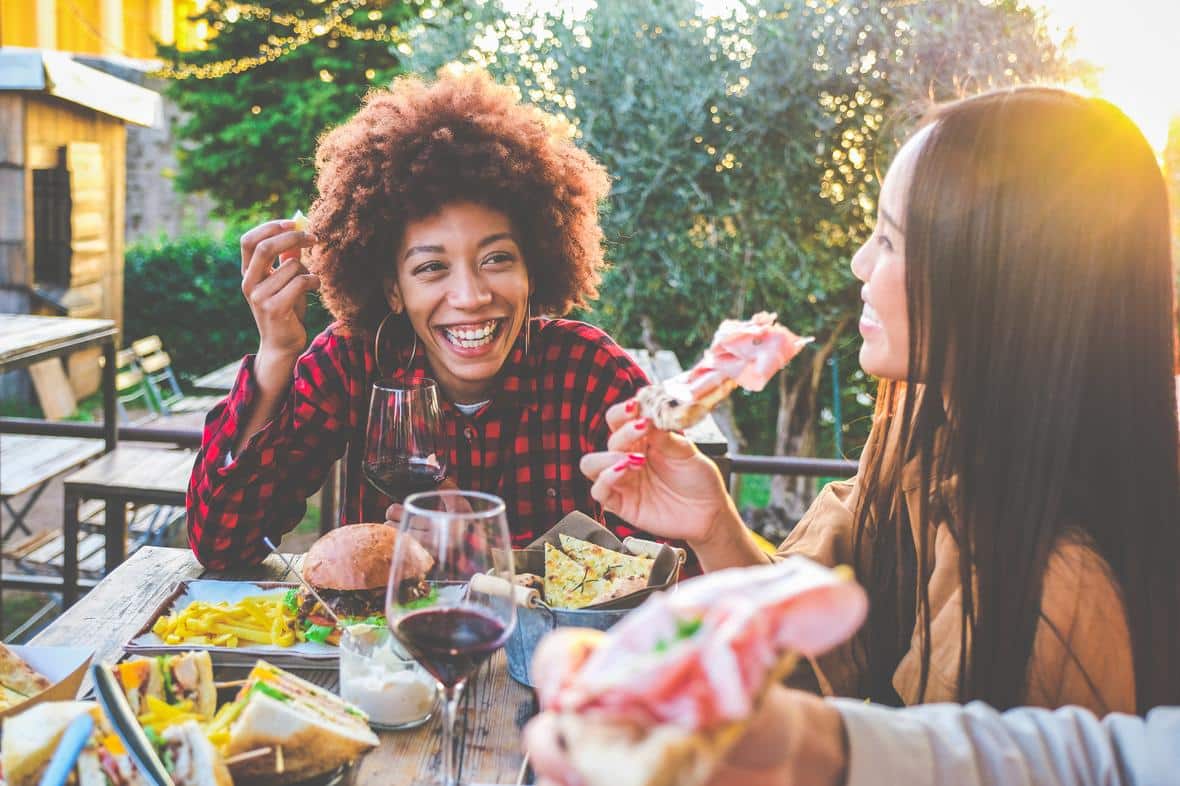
pixel 743 354
pixel 702 656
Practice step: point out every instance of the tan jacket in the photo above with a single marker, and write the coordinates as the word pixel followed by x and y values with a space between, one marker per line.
pixel 1082 651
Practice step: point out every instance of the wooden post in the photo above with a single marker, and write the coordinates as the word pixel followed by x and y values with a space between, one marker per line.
pixel 47 24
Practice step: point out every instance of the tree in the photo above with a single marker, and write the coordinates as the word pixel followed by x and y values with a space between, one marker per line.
pixel 249 138
pixel 743 149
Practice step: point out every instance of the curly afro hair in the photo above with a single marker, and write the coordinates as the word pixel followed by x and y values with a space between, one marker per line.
pixel 416 146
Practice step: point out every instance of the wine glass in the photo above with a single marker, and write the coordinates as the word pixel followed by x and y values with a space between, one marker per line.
pixel 405 443
pixel 440 604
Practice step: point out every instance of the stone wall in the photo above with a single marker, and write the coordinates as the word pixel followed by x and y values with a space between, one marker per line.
pixel 154 206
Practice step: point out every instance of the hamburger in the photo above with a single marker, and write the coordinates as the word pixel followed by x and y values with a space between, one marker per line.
pixel 349 568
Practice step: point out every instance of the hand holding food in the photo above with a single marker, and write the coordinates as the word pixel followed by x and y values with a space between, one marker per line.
pixel 665 695
pixel 278 295
pixel 743 354
pixel 656 480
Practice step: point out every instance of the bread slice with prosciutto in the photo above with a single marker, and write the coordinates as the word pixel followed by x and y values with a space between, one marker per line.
pixel 743 354
pixel 662 697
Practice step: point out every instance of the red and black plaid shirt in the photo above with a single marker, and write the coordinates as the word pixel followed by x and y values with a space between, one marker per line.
pixel 524 446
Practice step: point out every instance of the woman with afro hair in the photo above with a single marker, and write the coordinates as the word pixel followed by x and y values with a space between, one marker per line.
pixel 451 220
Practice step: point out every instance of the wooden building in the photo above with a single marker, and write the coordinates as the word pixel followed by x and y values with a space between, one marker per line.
pixel 126 28
pixel 62 185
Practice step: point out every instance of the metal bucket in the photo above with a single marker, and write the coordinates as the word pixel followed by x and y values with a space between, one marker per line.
pixel 532 623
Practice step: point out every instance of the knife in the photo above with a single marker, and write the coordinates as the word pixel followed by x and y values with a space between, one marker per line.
pixel 123 720
pixel 69 748
pixel 291 567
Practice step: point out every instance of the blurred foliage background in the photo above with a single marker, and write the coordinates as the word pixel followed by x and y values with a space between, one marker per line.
pixel 745 145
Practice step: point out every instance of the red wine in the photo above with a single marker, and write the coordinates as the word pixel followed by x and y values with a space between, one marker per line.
pixel 450 643
pixel 400 478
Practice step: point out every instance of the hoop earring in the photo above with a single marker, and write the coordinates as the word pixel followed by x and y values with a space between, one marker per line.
pixel 528 322
pixel 377 342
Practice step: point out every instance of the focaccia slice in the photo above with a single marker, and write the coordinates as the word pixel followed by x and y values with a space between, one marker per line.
pixel 604 564
pixel 16 675
pixel 566 581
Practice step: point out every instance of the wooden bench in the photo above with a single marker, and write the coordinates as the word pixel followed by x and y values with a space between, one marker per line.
pixel 28 463
pixel 127 474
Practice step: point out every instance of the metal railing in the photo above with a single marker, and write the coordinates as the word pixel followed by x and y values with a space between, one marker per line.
pixel 740 464
pixel 184 437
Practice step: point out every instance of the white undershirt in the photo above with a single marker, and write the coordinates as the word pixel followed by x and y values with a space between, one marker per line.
pixel 471 409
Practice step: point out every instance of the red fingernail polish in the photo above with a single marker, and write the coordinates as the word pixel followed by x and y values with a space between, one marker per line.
pixel 636 459
pixel 631 405
pixel 641 424
pixel 622 466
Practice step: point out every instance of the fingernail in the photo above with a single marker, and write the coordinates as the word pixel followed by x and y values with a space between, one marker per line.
pixel 623 465
pixel 631 406
pixel 313 237
pixel 641 424
pixel 636 459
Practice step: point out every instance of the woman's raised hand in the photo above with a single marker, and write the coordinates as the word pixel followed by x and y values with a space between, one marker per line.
pixel 278 295
pixel 657 480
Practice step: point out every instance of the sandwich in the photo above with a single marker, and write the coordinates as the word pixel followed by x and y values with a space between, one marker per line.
pixel 663 696
pixel 349 568
pixel 31 738
pixel 172 679
pixel 190 758
pixel 743 354
pixel 283 728
pixel 18 681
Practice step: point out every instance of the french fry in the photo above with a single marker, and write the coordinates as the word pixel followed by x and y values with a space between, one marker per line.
pixel 254 619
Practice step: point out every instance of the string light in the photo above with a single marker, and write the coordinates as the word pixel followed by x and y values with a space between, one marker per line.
pixel 303 31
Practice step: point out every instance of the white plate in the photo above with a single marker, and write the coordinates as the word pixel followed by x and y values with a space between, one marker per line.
pixel 212 591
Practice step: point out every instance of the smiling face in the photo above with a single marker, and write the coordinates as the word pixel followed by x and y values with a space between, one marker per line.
pixel 462 281
pixel 880 264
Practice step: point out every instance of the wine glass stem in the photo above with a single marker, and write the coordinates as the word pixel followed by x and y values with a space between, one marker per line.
pixel 450 709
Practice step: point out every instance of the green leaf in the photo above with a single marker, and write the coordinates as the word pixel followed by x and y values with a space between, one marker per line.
pixel 423 602
pixel 318 633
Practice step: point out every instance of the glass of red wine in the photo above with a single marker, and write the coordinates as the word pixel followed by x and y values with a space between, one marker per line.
pixel 439 604
pixel 405 442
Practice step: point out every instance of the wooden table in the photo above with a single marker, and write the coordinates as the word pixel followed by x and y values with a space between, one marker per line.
pixel 141 475
pixel 219 380
pixel 493 710
pixel 26 339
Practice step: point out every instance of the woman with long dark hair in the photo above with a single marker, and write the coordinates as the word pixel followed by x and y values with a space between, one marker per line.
pixel 1016 516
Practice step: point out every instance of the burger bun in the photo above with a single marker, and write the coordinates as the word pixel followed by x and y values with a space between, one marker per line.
pixel 358 557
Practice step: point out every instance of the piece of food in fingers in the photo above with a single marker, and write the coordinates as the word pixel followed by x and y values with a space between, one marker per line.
pixel 664 696
pixel 300 221
pixel 743 354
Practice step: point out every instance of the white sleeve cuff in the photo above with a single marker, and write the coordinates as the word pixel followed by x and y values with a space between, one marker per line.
pixel 886 746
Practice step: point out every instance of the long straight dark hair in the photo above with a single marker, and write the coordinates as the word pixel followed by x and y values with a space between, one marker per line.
pixel 1040 303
